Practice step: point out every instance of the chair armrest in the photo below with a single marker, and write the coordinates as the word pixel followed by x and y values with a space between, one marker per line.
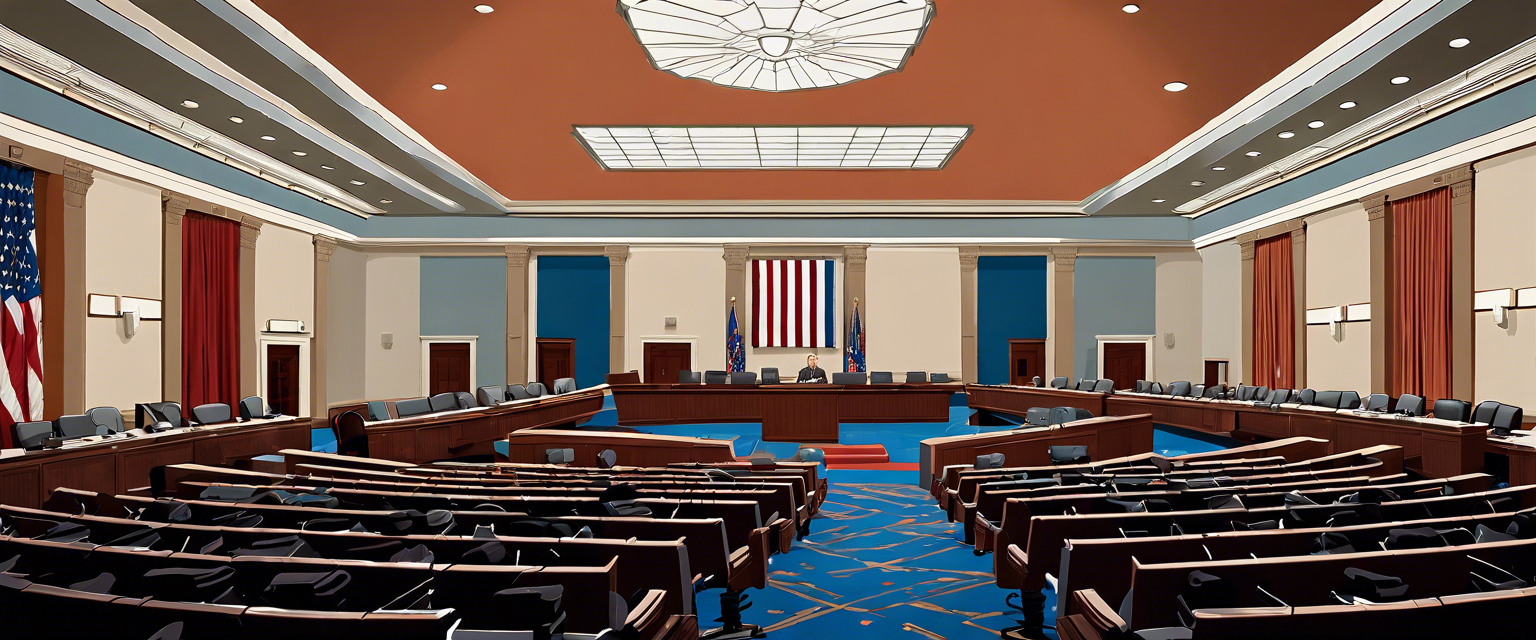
pixel 645 615
pixel 1096 612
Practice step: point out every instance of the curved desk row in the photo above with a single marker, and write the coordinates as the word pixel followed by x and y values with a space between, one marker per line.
pixel 1015 401
pixel 788 412
pixel 118 464
pixel 468 432
pixel 1105 437
pixel 633 449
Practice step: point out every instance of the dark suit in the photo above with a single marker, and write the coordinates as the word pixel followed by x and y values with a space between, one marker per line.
pixel 807 374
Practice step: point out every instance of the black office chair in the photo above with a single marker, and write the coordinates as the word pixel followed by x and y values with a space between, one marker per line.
pixel 252 407
pixel 1507 418
pixel 1085 384
pixel 1215 391
pixel 517 392
pixel 169 413
pixel 937 377
pixel 716 377
pixel 491 396
pixel 443 402
pixel 916 377
pixel 1307 396
pixel 851 377
pixel 1329 399
pixel 30 435
pixel 1069 454
pixel 377 411
pixel 212 413
pixel 1377 402
pixel 606 459
pixel 565 385
pixel 1104 385
pixel 1278 396
pixel 1180 389
pixel 1198 391
pixel 537 390
pixel 351 434
pixel 689 377
pixel 1037 416
pixel 74 426
pixel 413 407
pixel 880 377
pixel 1349 400
pixel 1409 404
pixel 1156 388
pixel 1059 382
pixel 990 461
pixel 559 456
pixel 1260 393
pixel 465 400
pixel 1449 409
pixel 108 420
pixel 1142 386
pixel 743 377
pixel 1483 414
pixel 770 375
pixel 1061 415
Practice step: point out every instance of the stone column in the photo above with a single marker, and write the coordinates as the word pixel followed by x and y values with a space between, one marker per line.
pixel 618 256
pixel 1381 292
pixel 968 355
pixel 250 385
pixel 78 178
pixel 735 256
pixel 1462 376
pixel 1299 304
pixel 319 399
pixel 174 206
pixel 854 259
pixel 517 314
pixel 1064 274
pixel 1245 329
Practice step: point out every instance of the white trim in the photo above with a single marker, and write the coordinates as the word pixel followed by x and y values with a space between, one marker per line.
pixel 532 339
pixel 1149 341
pixel 303 342
pixel 816 208
pixel 693 349
pixel 426 360
pixel 765 241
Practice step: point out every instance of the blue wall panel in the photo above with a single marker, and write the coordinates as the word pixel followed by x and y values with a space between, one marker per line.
pixel 1111 296
pixel 573 303
pixel 468 297
pixel 1010 304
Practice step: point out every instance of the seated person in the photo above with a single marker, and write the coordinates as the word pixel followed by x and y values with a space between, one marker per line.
pixel 811 372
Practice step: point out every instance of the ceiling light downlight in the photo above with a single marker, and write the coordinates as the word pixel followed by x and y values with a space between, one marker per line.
pixel 327 167
pixel 1130 8
pixel 357 182
pixel 484 8
pixel 1175 87
pixel 300 153
pixel 386 202
pixel 778 45
pixel 1459 43
pixel 1287 134
pixel 774 147
pixel 1159 200
pixel 1197 183
pixel 236 119
pixel 439 87
pixel 1400 80
pixel 1315 124
pixel 1348 105
pixel 1218 168
pixel 268 138
pixel 1253 154
pixel 189 104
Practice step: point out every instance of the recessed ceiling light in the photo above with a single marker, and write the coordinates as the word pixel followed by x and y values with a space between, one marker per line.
pixel 358 182
pixel 484 8
pixel 1348 105
pixel 189 104
pixel 439 87
pixel 268 138
pixel 1253 154
pixel 1400 80
pixel 1159 200
pixel 1175 87
pixel 236 119
pixel 1315 124
pixel 1130 8
pixel 1218 168
pixel 300 153
pixel 327 167
pixel 1459 43
pixel 392 201
pixel 1287 134
pixel 1197 183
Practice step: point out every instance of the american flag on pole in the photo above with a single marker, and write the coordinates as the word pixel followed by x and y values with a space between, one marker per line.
pixel 21 334
pixel 793 303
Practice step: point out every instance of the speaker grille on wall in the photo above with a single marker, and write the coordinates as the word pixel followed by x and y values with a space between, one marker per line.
pixel 671 322
pixel 285 326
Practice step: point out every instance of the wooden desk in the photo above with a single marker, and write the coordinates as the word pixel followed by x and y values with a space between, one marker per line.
pixel 1522 458
pixel 633 449
pixel 1105 437
pixel 788 412
pixel 475 431
pixel 121 464
pixel 1015 401
pixel 1436 448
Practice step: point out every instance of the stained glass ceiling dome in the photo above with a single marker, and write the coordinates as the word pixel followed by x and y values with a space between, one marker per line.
pixel 778 45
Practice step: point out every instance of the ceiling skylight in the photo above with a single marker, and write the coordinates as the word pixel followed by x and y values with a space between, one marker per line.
pixel 823 147
pixel 778 45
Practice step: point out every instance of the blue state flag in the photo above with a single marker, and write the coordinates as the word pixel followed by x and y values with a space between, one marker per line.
pixel 736 355
pixel 855 360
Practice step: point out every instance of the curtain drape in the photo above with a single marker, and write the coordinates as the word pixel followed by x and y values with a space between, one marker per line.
pixel 1421 284
pixel 210 317
pixel 1274 333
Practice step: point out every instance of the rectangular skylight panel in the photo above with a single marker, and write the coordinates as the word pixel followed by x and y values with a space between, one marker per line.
pixel 773 147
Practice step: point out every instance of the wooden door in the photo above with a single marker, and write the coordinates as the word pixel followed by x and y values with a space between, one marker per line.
pixel 1215 372
pixel 448 367
pixel 1125 363
pixel 557 359
pixel 1026 360
pixel 664 360
pixel 283 379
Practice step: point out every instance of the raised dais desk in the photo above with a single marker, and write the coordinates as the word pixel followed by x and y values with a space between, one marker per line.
pixel 118 464
pixel 1015 401
pixel 788 412
pixel 453 434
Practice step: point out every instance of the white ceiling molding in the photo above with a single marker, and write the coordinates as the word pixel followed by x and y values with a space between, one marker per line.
pixel 1515 136
pixel 766 241
pixel 1512 67
pixel 799 208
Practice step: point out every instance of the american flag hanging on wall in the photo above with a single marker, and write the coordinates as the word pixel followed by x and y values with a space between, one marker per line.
pixel 21 378
pixel 792 303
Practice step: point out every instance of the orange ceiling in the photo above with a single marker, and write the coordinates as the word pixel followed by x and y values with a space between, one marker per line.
pixel 1065 95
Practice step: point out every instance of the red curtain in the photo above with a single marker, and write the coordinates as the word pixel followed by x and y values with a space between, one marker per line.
pixel 210 316
pixel 1421 307
pixel 1274 314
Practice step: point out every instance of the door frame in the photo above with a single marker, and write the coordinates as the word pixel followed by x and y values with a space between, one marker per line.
pixel 693 349
pixel 1149 341
pixel 302 341
pixel 1043 349
pixel 426 360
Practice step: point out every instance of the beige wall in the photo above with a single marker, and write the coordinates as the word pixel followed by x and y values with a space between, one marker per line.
pixel 346 343
pixel 1339 273
pixel 285 276
pixel 122 242
pixel 1179 312
pixel 685 282
pixel 913 311
pixel 1504 222
pixel 393 306
pixel 1221 310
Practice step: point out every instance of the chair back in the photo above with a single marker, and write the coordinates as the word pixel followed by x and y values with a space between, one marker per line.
pixel 938 377
pixel 30 435
pixel 1279 396
pixel 1307 396
pixel 743 377
pixel 1156 387
pixel 351 434
pixel 537 390
pixel 1409 404
pixel 1059 382
pixel 464 400
pixel 1037 416
pixel 413 407
pixel 1069 454
pixel 1349 400
pixel 1141 386
pixel 770 375
pixel 916 377
pixel 880 377
pixel 715 377
pixel 990 461
pixel 253 407
pixel 1180 388
pixel 108 420
pixel 167 412
pixel 1485 411
pixel 1507 418
pixel 565 385
pixel 491 396
pixel 1214 391
pixel 444 401
pixel 1449 409
pixel 212 413
pixel 377 411
pixel 1104 385
pixel 517 392
pixel 1085 384
pixel 851 377
pixel 1377 402
pixel 77 426
pixel 1328 399
pixel 1061 415
pixel 560 456
pixel 606 459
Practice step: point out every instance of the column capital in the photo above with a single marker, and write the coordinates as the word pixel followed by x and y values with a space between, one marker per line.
pixel 1246 248
pixel 250 229
pixel 174 206
pixel 1299 236
pixel 855 255
pixel 617 254
pixel 1375 206
pixel 1458 176
pixel 324 247
pixel 968 258
pixel 78 178
pixel 1065 258
pixel 735 256
pixel 517 255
